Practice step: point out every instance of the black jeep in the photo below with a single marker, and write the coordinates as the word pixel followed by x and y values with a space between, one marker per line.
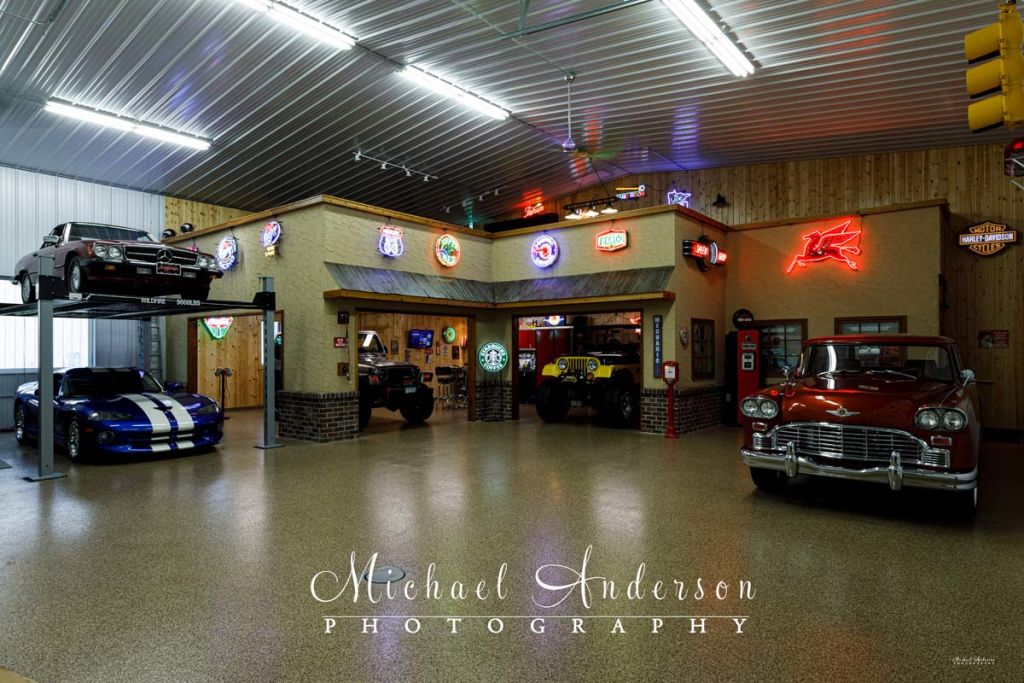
pixel 390 384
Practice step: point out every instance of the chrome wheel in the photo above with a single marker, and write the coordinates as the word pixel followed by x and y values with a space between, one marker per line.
pixel 626 405
pixel 75 278
pixel 27 294
pixel 19 424
pixel 73 440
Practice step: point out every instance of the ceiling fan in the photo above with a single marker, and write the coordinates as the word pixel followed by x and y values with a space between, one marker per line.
pixel 569 145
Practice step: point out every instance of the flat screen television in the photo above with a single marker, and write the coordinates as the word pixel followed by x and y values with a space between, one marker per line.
pixel 421 339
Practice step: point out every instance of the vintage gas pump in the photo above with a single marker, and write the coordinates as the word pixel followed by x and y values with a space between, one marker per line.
pixel 748 364
pixel 670 373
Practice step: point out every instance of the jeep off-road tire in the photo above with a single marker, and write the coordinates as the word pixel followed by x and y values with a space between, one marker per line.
pixel 769 481
pixel 365 412
pixel 418 408
pixel 552 402
pixel 619 404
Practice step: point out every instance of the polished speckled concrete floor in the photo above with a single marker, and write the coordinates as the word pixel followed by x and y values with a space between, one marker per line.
pixel 197 568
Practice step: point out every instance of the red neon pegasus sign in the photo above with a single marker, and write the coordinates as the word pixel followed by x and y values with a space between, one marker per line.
pixel 836 244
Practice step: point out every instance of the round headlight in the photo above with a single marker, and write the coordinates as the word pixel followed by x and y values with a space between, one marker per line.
pixel 114 252
pixel 563 364
pixel 954 420
pixel 592 364
pixel 750 407
pixel 100 250
pixel 768 409
pixel 928 418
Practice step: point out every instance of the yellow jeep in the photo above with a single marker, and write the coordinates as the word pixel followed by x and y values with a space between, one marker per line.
pixel 608 380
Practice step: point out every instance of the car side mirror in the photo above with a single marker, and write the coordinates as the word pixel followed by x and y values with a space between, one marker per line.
pixel 787 372
pixel 967 377
pixel 50 240
pixel 173 386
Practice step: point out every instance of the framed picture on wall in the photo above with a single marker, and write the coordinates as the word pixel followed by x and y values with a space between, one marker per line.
pixel 455 353
pixel 394 347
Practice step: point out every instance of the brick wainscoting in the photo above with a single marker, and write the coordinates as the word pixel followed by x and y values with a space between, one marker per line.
pixel 695 409
pixel 318 417
pixel 494 401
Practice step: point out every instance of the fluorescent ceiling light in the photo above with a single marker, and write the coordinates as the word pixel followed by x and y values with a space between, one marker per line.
pixel 302 22
pixel 706 31
pixel 442 87
pixel 127 125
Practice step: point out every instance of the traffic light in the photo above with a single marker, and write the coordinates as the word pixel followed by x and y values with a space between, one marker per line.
pixel 1003 75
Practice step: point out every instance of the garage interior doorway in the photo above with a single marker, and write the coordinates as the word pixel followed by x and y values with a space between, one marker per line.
pixel 232 343
pixel 440 345
pixel 614 338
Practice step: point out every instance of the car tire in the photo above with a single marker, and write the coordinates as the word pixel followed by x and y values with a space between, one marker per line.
pixel 618 405
pixel 552 402
pixel 21 425
pixel 75 277
pixel 73 441
pixel 365 412
pixel 418 408
pixel 28 292
pixel 770 481
pixel 967 503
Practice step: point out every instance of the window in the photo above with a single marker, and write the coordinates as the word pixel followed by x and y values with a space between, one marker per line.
pixel 892 325
pixel 702 351
pixel 19 338
pixel 781 341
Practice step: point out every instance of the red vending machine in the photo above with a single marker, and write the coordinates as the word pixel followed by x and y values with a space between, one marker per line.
pixel 748 365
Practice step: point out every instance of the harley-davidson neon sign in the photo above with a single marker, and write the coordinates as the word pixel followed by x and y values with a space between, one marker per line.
pixel 988 238
pixel 835 244
pixel 613 239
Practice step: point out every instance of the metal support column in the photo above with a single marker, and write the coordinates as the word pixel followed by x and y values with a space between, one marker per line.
pixel 269 366
pixel 44 297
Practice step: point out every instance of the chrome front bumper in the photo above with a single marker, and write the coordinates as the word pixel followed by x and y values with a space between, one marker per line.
pixel 895 475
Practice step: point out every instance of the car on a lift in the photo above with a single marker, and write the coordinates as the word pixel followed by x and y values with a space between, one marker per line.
pixel 606 378
pixel 119 411
pixel 897 410
pixel 106 259
pixel 390 384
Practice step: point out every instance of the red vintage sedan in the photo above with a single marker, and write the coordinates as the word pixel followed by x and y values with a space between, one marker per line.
pixel 94 258
pixel 894 409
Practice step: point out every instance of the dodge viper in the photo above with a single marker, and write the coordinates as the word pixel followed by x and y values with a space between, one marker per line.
pixel 120 411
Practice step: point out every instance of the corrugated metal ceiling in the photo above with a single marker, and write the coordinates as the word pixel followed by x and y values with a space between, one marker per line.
pixel 286 114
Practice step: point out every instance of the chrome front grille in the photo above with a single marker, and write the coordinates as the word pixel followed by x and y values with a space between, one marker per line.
pixel 855 442
pixel 577 365
pixel 150 255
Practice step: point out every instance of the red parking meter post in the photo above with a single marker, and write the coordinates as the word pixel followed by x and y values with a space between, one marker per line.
pixel 670 373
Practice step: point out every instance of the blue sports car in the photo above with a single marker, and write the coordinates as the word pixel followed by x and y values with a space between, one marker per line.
pixel 119 410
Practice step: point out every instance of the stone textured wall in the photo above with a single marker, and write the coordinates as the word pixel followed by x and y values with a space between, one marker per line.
pixel 318 417
pixel 494 401
pixel 695 409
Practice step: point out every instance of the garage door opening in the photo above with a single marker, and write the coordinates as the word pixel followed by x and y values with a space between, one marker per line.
pixel 580 368
pixel 414 369
pixel 225 358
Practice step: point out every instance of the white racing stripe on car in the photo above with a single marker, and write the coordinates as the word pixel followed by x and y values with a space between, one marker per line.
pixel 178 411
pixel 156 417
pixel 159 447
pixel 183 444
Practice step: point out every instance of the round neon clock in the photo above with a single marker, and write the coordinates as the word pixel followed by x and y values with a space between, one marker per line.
pixel 227 253
pixel 449 335
pixel 544 251
pixel 493 357
pixel 270 235
pixel 448 251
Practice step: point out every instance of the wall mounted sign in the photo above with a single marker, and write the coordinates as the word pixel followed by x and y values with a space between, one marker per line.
pixel 544 251
pixel 533 209
pixel 705 252
pixel 269 237
pixel 343 317
pixel 679 198
pixel 218 327
pixel 658 355
pixel 227 253
pixel 555 320
pixel 493 357
pixel 993 339
pixel 631 192
pixel 392 241
pixel 341 342
pixel 836 244
pixel 612 239
pixel 449 334
pixel 743 319
pixel 988 238
pixel 448 251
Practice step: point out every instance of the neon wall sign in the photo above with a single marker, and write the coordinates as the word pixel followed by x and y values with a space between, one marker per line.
pixel 988 238
pixel 705 252
pixel 679 198
pixel 227 253
pixel 613 239
pixel 392 241
pixel 835 244
pixel 631 192
pixel 533 209
pixel 218 327
pixel 544 251
pixel 448 251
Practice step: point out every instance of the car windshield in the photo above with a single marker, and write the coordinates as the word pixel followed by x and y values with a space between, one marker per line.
pixel 108 382
pixel 370 343
pixel 904 362
pixel 84 231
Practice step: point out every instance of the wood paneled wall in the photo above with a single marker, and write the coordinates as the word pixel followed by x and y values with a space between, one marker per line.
pixel 178 211
pixel 984 293
pixel 238 350
pixel 394 327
